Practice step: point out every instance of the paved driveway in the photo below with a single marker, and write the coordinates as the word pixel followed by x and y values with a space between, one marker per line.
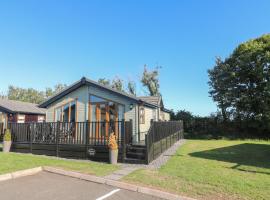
pixel 48 186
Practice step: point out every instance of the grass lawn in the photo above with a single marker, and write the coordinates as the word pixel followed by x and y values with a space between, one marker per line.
pixel 214 169
pixel 10 162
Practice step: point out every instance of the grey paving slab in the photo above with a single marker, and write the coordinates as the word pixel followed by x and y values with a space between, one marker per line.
pixel 43 186
pixel 125 170
pixel 165 156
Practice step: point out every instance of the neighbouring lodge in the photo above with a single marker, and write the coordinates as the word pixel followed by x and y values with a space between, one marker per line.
pixel 20 112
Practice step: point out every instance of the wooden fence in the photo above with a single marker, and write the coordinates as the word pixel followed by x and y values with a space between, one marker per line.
pixel 161 136
pixel 79 140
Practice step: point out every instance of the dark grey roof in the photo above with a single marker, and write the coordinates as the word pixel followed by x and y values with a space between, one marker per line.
pixel 151 99
pixel 166 110
pixel 85 81
pixel 156 100
pixel 11 106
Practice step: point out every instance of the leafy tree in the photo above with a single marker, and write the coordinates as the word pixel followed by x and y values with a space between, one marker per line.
pixel 48 92
pixel 31 95
pixel 117 84
pixel 132 87
pixel 59 87
pixel 240 84
pixel 151 81
pixel 186 116
pixel 2 95
pixel 104 81
pixel 26 95
pixel 220 79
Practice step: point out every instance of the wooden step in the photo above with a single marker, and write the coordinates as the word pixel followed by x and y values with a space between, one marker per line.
pixel 136 149
pixel 136 155
pixel 134 161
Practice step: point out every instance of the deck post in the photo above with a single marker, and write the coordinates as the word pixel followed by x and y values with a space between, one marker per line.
pixel 124 140
pixel 130 132
pixel 31 137
pixel 123 136
pixel 86 138
pixel 57 138
pixel 147 149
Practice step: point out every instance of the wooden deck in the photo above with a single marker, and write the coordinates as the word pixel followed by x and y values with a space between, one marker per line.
pixel 85 141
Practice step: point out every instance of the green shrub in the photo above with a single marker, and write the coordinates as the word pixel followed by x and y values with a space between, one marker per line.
pixel 7 136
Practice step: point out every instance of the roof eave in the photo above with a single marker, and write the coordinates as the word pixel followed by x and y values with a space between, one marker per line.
pixel 166 110
pixel 6 110
pixel 61 94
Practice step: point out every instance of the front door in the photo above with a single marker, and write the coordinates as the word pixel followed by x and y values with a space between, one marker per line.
pixel 102 119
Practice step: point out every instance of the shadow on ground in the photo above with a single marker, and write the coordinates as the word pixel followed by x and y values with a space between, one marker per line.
pixel 249 154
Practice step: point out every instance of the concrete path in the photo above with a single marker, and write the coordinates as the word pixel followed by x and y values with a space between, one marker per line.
pixel 125 170
pixel 155 164
pixel 43 186
pixel 165 156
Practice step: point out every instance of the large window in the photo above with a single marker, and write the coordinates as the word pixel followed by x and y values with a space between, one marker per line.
pixel 142 115
pixel 58 114
pixel 73 112
pixel 107 114
pixel 66 113
pixel 154 113
pixel 105 110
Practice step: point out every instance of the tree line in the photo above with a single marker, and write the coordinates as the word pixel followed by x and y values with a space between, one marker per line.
pixel 240 85
pixel 31 95
pixel 149 79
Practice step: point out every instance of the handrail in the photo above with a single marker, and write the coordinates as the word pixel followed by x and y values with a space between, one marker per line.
pixel 158 133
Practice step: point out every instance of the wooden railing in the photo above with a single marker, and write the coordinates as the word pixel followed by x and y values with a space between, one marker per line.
pixel 78 140
pixel 161 136
pixel 94 133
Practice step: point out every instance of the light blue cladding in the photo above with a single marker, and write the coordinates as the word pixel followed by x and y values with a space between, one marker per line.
pixel 82 95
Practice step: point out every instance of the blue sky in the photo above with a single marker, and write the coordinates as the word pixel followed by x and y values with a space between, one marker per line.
pixel 47 42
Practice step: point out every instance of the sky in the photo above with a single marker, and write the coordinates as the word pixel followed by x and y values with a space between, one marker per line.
pixel 46 42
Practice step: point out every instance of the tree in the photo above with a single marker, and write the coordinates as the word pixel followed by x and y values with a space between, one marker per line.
pixel 117 84
pixel 2 95
pixel 151 81
pixel 48 92
pixel 26 95
pixel 241 83
pixel 220 79
pixel 104 81
pixel 59 87
pixel 32 95
pixel 132 88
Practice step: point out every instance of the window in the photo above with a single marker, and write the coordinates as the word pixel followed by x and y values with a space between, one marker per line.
pixel 41 118
pixel 103 109
pixel 58 114
pixel 20 118
pixel 121 112
pixel 154 115
pixel 66 113
pixel 142 116
pixel 73 112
